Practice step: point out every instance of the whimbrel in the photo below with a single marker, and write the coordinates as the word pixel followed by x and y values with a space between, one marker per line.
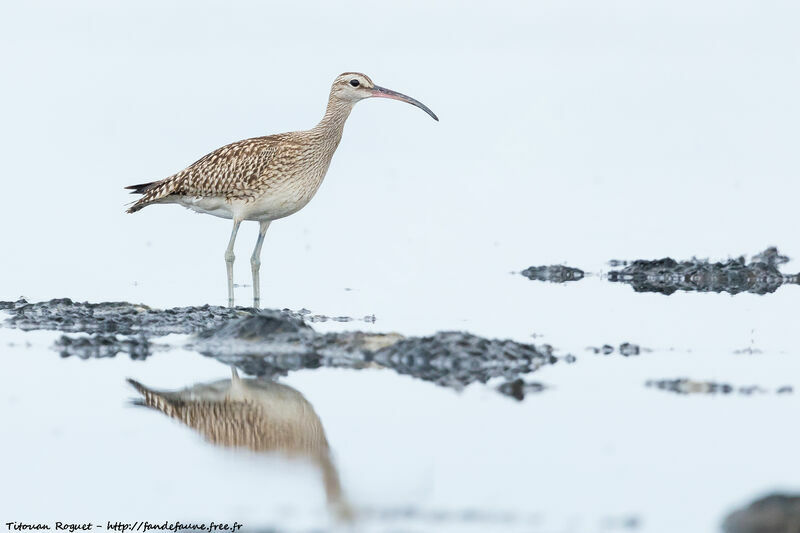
pixel 265 178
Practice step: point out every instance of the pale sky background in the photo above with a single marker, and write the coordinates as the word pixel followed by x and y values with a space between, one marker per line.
pixel 570 131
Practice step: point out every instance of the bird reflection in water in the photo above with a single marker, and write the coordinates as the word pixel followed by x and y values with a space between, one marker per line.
pixel 258 414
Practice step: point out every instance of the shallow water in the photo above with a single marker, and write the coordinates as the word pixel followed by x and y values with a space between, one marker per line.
pixel 449 431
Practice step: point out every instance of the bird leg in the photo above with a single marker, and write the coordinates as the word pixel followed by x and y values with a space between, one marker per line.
pixel 229 257
pixel 255 263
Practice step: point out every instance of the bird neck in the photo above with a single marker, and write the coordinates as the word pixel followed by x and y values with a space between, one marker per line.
pixel 332 124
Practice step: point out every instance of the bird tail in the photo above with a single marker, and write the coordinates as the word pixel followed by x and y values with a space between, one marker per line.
pixel 142 188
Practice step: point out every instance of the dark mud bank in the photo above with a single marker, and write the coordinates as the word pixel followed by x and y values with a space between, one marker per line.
pixel 776 513
pixel 759 275
pixel 120 318
pixel 271 343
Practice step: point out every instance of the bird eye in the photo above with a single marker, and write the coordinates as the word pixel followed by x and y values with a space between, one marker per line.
pixel 354 82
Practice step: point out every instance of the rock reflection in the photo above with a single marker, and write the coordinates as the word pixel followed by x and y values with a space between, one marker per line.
pixel 100 346
pixel 258 414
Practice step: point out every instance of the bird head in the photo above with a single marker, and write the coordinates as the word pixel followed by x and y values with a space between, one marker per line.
pixel 352 87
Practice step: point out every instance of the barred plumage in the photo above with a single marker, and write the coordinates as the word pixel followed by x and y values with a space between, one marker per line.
pixel 238 170
pixel 265 178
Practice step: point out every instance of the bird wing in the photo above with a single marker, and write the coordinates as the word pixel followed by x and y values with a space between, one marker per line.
pixel 233 171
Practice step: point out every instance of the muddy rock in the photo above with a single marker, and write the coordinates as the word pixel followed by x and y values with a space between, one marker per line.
pixel 116 317
pixel 126 318
pixel 519 388
pixel 770 257
pixel 760 275
pixel 553 273
pixel 626 348
pixel 270 344
pixel 776 513
pixel 689 386
pixel 666 276
pixel 456 359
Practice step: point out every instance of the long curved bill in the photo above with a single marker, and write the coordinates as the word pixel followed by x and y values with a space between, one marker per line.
pixel 382 92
